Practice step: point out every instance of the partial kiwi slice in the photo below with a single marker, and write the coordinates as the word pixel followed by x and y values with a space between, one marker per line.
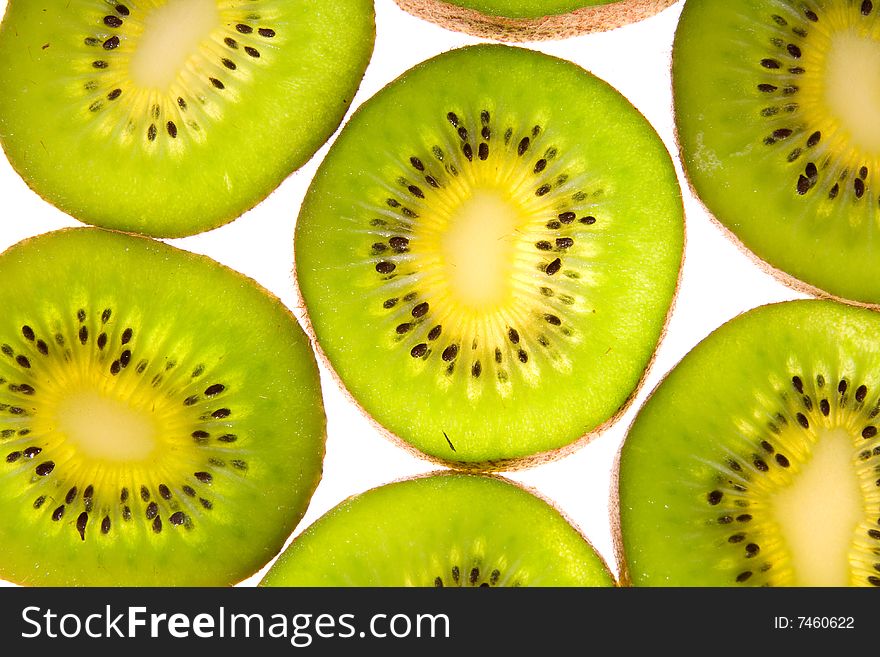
pixel 777 104
pixel 532 20
pixel 755 461
pixel 171 117
pixel 161 419
pixel 445 529
pixel 488 255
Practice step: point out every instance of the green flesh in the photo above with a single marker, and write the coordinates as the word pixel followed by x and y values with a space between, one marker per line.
pixel 758 98
pixel 441 530
pixel 105 334
pixel 586 277
pixel 755 461
pixel 527 8
pixel 265 84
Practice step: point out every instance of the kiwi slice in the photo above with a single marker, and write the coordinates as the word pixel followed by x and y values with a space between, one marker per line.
pixel 171 117
pixel 777 104
pixel 531 20
pixel 488 255
pixel 161 419
pixel 446 529
pixel 754 463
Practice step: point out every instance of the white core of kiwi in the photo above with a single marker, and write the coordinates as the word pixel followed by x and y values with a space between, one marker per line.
pixel 478 250
pixel 105 427
pixel 852 93
pixel 819 512
pixel 172 34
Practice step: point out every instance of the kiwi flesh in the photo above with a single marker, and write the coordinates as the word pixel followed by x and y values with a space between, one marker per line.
pixel 171 117
pixel 488 254
pixel 776 109
pixel 161 420
pixel 531 20
pixel 445 529
pixel 754 463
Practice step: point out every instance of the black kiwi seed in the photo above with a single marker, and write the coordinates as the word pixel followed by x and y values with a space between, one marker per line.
pixel 204 477
pixel 215 389
pixel 81 523
pixel 45 468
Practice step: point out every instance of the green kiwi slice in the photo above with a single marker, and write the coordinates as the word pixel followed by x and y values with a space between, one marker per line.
pixel 777 106
pixel 488 254
pixel 448 529
pixel 754 463
pixel 161 419
pixel 171 117
pixel 532 20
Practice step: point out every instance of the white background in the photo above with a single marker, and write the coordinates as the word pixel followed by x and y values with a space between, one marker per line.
pixel 718 282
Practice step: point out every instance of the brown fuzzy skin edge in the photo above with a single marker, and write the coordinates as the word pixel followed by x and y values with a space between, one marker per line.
pixel 597 18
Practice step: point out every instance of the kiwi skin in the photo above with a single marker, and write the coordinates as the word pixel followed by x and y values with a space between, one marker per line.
pixel 597 18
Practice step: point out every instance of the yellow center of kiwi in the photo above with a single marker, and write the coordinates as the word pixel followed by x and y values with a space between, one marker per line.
pixel 95 417
pixel 852 87
pixel 477 243
pixel 819 511
pixel 477 249
pixel 841 85
pixel 172 33
pixel 106 427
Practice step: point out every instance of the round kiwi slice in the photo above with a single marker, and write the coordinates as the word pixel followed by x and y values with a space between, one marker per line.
pixel 441 530
pixel 488 254
pixel 171 117
pixel 531 20
pixel 161 420
pixel 754 463
pixel 776 107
